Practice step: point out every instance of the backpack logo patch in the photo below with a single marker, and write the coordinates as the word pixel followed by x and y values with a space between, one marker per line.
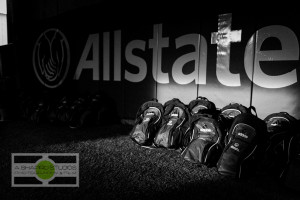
pixel 236 144
pixel 243 135
pixel 206 130
pixel 146 120
pixel 235 147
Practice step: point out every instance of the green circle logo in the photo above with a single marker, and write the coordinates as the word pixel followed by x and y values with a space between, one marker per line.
pixel 45 169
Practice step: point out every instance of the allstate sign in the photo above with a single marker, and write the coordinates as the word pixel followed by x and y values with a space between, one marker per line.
pixel 164 60
pixel 223 39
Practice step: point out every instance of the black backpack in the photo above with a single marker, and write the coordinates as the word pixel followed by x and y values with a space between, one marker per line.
pixel 148 121
pixel 172 129
pixel 280 130
pixel 61 110
pixel 202 105
pixel 228 113
pixel 91 111
pixel 290 176
pixel 34 107
pixel 203 140
pixel 39 112
pixel 245 147
pixel 77 108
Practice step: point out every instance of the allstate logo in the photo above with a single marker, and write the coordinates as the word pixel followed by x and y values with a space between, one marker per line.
pixel 51 58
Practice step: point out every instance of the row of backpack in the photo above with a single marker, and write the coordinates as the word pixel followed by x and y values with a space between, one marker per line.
pixel 164 125
pixel 232 138
pixel 75 111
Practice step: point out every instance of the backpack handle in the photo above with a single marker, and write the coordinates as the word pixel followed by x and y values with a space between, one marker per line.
pixel 202 98
pixel 154 99
pixel 254 109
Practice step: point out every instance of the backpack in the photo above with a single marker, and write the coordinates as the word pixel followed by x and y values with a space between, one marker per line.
pixel 244 149
pixel 90 111
pixel 201 105
pixel 40 112
pixel 228 113
pixel 280 130
pixel 147 123
pixel 34 108
pixel 171 131
pixel 76 110
pixel 290 176
pixel 60 110
pixel 26 105
pixel 203 140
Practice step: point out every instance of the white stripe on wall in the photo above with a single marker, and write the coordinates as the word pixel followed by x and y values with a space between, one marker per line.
pixel 3 7
pixel 3 29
